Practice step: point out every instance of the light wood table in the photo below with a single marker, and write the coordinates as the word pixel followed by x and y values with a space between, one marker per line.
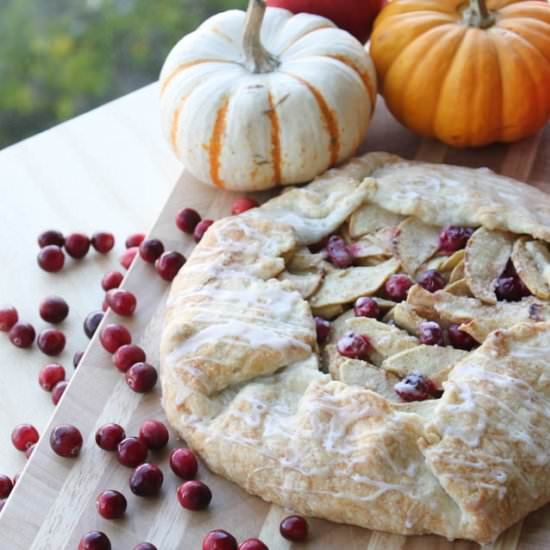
pixel 106 170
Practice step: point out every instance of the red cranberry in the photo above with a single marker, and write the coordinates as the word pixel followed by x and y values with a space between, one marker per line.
pixel 54 309
pixel 103 242
pixel 366 307
pixel 397 287
pixel 51 258
pixel 354 346
pixel 128 355
pixel 460 339
pixel 184 463
pixel 109 436
pixel 114 336
pixel 201 229
pixel 77 357
pixel 6 485
pixel 509 286
pixel 111 504
pixel 122 302
pixel 92 322
pixel 338 253
pixel 169 264
pixel 110 280
pixel 132 452
pixel 416 387
pixel 146 480
pixel 322 329
pixel 252 544
pixel 242 205
pixel 431 280
pixel 294 528
pixel 29 451
pixel 187 219
pixel 50 237
pixel 145 546
pixel 219 540
pixel 66 441
pixel 22 335
pixel 141 377
pixel 8 318
pixel 430 333
pixel 23 436
pixel 150 250
pixel 154 434
pixel 51 341
pixel 128 256
pixel 194 495
pixel 94 540
pixel 134 240
pixel 50 375
pixel 77 245
pixel 58 391
pixel 453 238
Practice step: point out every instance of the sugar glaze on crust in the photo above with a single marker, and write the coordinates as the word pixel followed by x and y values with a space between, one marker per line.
pixel 242 379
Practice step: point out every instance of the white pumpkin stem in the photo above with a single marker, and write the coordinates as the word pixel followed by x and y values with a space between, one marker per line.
pixel 257 58
pixel 477 15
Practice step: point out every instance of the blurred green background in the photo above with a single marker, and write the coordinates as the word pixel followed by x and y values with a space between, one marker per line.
pixel 59 58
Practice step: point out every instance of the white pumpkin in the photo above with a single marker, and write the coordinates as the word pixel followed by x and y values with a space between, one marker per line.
pixel 249 102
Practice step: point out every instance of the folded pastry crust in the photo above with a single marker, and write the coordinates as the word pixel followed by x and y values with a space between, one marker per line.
pixel 242 381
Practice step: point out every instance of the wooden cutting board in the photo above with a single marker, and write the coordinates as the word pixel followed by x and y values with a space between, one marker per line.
pixel 53 503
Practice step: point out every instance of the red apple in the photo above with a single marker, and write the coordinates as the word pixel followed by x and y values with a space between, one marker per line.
pixel 354 16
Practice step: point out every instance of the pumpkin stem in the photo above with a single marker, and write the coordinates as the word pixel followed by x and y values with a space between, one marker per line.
pixel 477 15
pixel 257 58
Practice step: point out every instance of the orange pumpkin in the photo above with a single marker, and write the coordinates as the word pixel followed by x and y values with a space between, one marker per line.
pixel 469 74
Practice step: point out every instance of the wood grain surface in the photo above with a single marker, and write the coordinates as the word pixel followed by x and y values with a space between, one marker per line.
pixel 53 504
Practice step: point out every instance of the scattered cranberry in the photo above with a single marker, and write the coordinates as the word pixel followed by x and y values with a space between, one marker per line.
pixel 77 357
pixel 23 436
pixel 29 451
pixel 109 436
pixel 146 480
pixel 111 504
pixel 132 452
pixel 242 205
pixel 252 544
pixel 338 253
pixel 128 355
pixel 322 329
pixel 66 441
pixel 50 375
pixel 94 540
pixel 150 250
pixel 169 264
pixel 416 387
pixel 103 242
pixel 51 258
pixel 294 528
pixel 114 336
pixel 194 495
pixel 141 377
pixel 128 257
pixel 187 219
pixel 6 486
pixel 366 307
pixel 184 463
pixel 51 341
pixel 201 229
pixel 54 309
pixel 154 434
pixel 50 237
pixel 354 346
pixel 134 240
pixel 110 280
pixel 8 318
pixel 145 546
pixel 397 287
pixel 77 245
pixel 431 280
pixel 122 302
pixel 58 391
pixel 460 339
pixel 22 335
pixel 319 245
pixel 430 333
pixel 92 322
pixel 453 238
pixel 219 540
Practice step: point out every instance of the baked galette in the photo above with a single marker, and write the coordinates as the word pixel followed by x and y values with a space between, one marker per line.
pixel 373 348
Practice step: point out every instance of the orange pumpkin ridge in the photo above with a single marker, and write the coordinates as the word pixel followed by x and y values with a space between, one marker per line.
pixel 216 142
pixel 275 140
pixel 180 68
pixel 362 74
pixel 175 124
